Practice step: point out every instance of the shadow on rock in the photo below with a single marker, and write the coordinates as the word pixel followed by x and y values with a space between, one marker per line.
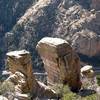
pixel 86 92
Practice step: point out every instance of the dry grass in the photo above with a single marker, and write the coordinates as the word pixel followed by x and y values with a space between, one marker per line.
pixel 5 87
pixel 82 95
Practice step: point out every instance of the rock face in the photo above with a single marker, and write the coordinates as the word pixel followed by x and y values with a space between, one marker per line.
pixel 87 71
pixel 88 78
pixel 84 43
pixel 60 62
pixel 3 98
pixel 33 31
pixel 21 61
pixel 20 65
pixel 10 12
pixel 80 22
pixel 55 18
pixel 95 4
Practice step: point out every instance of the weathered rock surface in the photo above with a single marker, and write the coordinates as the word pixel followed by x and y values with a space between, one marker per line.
pixel 60 61
pixel 10 11
pixel 20 66
pixel 3 98
pixel 80 22
pixel 86 43
pixel 19 96
pixel 87 71
pixel 47 17
pixel 95 4
pixel 57 18
pixel 88 78
pixel 45 91
pixel 21 61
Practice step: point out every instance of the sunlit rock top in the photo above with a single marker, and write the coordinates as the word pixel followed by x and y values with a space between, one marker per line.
pixel 86 68
pixel 53 41
pixel 17 54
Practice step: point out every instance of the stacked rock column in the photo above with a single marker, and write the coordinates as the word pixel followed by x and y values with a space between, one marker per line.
pixel 20 65
pixel 20 61
pixel 60 61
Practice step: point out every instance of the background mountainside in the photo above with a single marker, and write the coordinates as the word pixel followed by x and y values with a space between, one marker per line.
pixel 10 11
pixel 26 22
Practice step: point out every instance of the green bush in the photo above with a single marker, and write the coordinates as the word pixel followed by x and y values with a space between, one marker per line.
pixel 98 80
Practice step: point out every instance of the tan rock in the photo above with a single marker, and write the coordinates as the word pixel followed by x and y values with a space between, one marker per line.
pixel 87 71
pixel 88 77
pixel 20 82
pixel 60 62
pixel 20 65
pixel 22 96
pixel 45 91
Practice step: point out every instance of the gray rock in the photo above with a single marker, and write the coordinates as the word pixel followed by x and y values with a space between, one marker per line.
pixel 3 98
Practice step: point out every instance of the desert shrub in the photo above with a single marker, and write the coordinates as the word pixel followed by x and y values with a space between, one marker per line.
pixel 5 87
pixel 98 80
pixel 58 88
pixel 74 96
pixel 68 95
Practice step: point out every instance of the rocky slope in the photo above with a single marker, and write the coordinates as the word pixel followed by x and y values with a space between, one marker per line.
pixel 72 20
pixel 10 11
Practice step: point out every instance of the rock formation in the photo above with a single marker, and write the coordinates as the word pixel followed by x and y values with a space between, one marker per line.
pixel 21 61
pixel 88 78
pixel 84 43
pixel 60 61
pixel 95 4
pixel 87 71
pixel 56 18
pixel 20 65
pixel 10 12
